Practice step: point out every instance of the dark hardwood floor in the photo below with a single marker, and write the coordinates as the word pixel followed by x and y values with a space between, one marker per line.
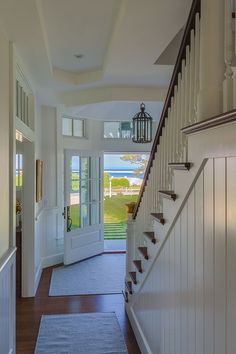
pixel 29 312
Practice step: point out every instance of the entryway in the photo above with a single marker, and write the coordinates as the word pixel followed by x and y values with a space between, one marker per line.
pixel 25 215
pixel 123 175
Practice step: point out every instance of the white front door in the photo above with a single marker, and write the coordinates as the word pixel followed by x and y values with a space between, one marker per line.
pixel 83 236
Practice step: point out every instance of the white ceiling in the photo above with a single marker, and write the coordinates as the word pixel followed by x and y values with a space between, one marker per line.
pixel 79 27
pixel 120 41
pixel 114 110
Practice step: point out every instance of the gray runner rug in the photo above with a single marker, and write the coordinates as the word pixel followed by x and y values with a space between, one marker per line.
pixel 89 333
pixel 102 274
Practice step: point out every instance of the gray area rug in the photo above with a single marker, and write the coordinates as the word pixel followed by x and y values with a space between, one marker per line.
pixel 102 274
pixel 89 333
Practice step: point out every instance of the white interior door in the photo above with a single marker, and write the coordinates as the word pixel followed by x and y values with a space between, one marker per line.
pixel 83 235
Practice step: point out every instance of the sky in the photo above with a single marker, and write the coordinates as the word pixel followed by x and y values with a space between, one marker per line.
pixel 114 162
pixel 111 162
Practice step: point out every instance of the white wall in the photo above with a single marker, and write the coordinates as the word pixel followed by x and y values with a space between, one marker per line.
pixel 52 219
pixel 7 254
pixel 39 229
pixel 95 141
pixel 4 143
pixel 50 229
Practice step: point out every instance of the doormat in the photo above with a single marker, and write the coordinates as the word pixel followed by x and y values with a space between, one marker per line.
pixel 102 274
pixel 87 333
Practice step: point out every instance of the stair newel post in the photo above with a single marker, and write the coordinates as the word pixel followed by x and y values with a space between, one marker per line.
pixel 172 135
pixel 130 242
pixel 178 117
pixel 212 65
pixel 155 188
pixel 186 101
pixel 182 110
pixel 191 80
pixel 167 147
pixel 161 147
pixel 152 195
pixel 158 177
pixel 196 67
pixel 168 174
pixel 228 56
pixel 165 142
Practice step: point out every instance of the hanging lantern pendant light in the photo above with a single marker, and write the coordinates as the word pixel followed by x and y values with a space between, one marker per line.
pixel 142 126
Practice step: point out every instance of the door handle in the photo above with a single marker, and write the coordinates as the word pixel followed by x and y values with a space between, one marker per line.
pixel 68 220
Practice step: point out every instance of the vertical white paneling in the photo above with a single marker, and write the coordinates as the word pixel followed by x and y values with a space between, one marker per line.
pixel 7 302
pixel 177 288
pixel 199 261
pixel 231 255
pixel 189 297
pixel 209 258
pixel 191 273
pixel 167 291
pixel 184 281
pixel 172 292
pixel 219 257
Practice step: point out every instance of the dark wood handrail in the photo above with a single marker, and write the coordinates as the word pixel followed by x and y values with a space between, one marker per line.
pixel 195 8
pixel 213 122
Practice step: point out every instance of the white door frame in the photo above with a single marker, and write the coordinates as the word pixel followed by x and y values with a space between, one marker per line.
pixel 28 220
pixel 28 231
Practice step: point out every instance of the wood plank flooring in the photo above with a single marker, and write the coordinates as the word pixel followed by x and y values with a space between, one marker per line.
pixel 29 312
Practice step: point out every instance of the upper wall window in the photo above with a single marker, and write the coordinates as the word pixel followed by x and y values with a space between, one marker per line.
pixel 24 99
pixel 117 130
pixel 73 127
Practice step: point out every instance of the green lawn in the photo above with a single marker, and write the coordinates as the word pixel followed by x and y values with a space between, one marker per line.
pixel 114 208
pixel 115 216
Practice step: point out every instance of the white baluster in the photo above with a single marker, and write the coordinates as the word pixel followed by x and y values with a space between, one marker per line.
pixel 191 79
pixel 228 57
pixel 197 66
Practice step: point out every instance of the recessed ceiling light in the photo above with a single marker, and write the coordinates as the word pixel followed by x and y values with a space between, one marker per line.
pixel 79 56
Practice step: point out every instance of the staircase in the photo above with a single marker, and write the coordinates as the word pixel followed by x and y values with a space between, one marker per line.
pixel 177 269
pixel 169 156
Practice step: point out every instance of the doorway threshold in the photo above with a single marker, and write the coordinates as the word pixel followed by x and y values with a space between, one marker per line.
pixel 118 246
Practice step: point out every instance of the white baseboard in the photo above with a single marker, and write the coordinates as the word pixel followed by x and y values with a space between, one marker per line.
pixel 52 260
pixel 139 335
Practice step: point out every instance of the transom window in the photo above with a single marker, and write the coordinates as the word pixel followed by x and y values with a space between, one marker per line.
pixel 117 130
pixel 73 127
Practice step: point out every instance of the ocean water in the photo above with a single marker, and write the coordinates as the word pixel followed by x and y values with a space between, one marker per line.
pixel 118 173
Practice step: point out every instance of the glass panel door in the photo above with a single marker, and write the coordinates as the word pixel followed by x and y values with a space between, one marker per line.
pixel 83 203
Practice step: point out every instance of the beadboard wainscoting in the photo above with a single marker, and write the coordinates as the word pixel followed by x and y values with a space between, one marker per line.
pixel 187 302
pixel 7 302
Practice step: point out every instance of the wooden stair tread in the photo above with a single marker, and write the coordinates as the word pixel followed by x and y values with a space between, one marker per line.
pixel 138 265
pixel 159 217
pixel 151 236
pixel 125 294
pixel 143 251
pixel 168 194
pixel 133 277
pixel 180 165
pixel 128 285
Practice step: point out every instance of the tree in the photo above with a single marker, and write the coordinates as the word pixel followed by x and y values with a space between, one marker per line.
pixel 141 160
pixel 119 182
pixel 106 179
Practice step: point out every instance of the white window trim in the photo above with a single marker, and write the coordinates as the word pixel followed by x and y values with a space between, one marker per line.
pixel 84 127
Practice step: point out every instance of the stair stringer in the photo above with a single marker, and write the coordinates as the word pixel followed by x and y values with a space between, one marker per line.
pixel 140 334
